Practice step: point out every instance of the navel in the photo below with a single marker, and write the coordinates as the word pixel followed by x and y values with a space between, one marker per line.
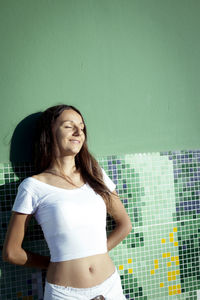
pixel 91 269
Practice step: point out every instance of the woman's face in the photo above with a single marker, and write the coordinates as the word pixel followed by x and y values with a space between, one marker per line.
pixel 68 133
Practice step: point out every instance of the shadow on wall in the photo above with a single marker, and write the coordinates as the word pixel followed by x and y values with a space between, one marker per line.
pixel 22 141
pixel 21 161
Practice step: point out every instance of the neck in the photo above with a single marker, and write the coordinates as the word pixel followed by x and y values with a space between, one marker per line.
pixel 66 163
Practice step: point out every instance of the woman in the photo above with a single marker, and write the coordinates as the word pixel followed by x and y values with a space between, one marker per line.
pixel 69 196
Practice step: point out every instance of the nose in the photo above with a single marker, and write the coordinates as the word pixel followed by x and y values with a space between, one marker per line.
pixel 77 131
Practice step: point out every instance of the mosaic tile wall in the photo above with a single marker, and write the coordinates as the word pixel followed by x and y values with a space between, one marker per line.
pixel 160 257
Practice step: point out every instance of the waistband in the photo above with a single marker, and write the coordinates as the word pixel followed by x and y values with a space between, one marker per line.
pixel 106 282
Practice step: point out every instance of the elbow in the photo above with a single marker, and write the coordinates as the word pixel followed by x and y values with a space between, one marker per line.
pixel 8 256
pixel 129 227
pixel 126 228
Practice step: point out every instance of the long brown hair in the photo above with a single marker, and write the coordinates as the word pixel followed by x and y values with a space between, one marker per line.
pixel 88 166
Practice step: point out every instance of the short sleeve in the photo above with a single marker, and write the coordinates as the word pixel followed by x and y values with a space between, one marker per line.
pixel 108 182
pixel 25 202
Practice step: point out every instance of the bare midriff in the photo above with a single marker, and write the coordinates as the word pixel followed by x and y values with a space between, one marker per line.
pixel 81 273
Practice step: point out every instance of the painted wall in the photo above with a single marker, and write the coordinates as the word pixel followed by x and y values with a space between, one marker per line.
pixel 132 67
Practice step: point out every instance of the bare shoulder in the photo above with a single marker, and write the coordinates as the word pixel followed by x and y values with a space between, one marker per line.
pixel 41 176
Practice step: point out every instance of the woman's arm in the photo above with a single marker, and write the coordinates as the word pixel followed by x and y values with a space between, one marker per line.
pixel 12 248
pixel 123 222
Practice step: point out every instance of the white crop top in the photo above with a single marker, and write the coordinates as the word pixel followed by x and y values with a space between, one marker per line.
pixel 73 221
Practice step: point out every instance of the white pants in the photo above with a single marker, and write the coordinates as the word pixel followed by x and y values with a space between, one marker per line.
pixel 111 289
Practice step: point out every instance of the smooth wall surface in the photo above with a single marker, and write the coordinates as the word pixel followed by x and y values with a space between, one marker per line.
pixel 132 67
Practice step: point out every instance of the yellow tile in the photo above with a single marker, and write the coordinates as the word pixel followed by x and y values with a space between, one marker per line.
pixel 175 229
pixel 171 234
pixel 175 244
pixel 171 240
pixel 172 258
pixel 164 255
pixel 169 278
pixel 178 286
pixel 163 241
pixel 130 260
pixel 121 267
pixel 168 254
pixel 169 264
pixel 169 273
pixel 170 288
pixel 173 277
pixel 173 272
pixel 156 266
pixel 177 263
pixel 130 271
pixel 152 272
pixel 177 272
pixel 162 284
pixel 155 261
pixel 170 293
pixel 176 258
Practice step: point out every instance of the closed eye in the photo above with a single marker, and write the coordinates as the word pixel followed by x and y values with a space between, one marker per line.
pixel 72 127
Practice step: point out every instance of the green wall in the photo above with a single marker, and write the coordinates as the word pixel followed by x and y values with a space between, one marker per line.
pixel 131 66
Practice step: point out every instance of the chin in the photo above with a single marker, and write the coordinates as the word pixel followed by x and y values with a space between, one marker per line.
pixel 71 152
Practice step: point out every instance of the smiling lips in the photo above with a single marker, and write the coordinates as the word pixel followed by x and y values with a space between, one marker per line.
pixel 75 141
